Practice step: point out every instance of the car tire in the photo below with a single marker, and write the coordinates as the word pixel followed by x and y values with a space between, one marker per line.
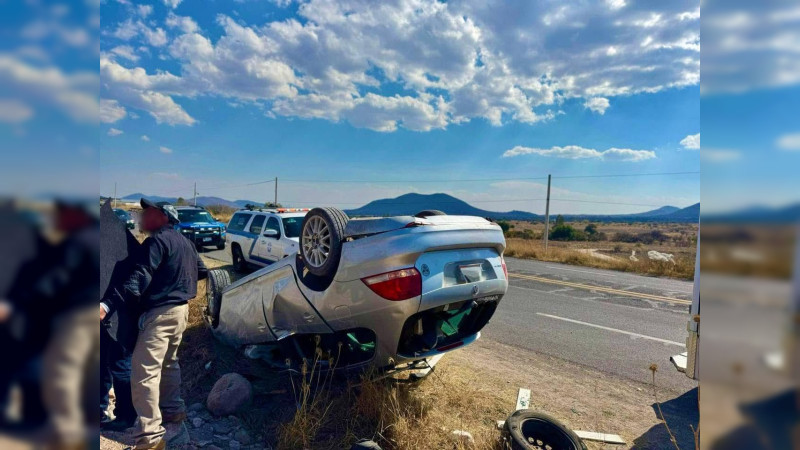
pixel 322 229
pixel 215 283
pixel 221 246
pixel 526 426
pixel 237 258
pixel 429 212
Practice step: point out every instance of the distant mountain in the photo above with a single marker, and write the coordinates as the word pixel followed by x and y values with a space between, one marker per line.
pixel 664 210
pixel 690 213
pixel 201 201
pixel 758 214
pixel 410 204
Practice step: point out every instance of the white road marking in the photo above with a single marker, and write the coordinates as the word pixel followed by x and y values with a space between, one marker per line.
pixel 629 333
pixel 583 271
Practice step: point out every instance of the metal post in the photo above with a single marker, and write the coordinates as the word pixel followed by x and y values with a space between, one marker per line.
pixel 195 193
pixel 547 216
pixel 115 194
pixel 276 192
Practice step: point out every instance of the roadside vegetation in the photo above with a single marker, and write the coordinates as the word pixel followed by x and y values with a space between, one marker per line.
pixel 615 246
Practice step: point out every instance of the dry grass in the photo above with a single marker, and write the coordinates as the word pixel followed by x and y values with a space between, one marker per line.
pixel 561 252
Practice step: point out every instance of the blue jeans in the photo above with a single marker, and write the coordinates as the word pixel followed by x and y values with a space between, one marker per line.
pixel 115 370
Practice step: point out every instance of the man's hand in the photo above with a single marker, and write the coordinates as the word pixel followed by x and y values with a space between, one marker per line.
pixel 5 310
pixel 103 312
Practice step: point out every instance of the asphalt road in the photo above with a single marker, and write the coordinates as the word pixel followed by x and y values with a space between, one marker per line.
pixel 615 322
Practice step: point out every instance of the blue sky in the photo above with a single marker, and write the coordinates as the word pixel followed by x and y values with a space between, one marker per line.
pixel 384 98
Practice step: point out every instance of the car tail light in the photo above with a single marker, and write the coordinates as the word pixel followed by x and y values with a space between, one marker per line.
pixel 505 269
pixel 397 285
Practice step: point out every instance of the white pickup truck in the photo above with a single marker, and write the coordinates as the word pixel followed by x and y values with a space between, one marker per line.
pixel 263 236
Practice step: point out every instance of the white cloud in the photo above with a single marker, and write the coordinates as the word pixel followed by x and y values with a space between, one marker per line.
pixel 474 62
pixel 172 3
pixel 578 152
pixel 789 142
pixel 145 138
pixel 691 142
pixel 185 24
pixel 165 150
pixel 125 51
pixel 71 93
pixel 597 104
pixel 144 10
pixel 14 111
pixel 717 155
pixel 114 132
pixel 111 111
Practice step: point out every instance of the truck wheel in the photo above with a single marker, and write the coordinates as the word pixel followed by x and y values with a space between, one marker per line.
pixel 239 263
pixel 429 212
pixel 217 281
pixel 527 427
pixel 321 240
pixel 221 246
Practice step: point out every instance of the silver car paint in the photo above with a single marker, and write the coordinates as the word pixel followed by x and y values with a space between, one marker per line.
pixel 272 304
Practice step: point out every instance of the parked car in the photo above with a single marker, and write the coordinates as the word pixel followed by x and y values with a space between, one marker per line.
pixel 125 216
pixel 200 227
pixel 395 293
pixel 262 236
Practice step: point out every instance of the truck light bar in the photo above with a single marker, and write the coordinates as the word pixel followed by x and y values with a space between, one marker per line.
pixel 285 210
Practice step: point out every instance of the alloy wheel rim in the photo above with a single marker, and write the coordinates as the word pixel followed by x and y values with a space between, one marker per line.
pixel 316 242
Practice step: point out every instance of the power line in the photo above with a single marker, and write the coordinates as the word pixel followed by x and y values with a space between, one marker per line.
pixel 629 175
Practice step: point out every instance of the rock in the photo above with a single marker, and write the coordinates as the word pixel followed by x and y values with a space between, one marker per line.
pixel 212 447
pixel 222 427
pixel 197 422
pixel 243 437
pixel 229 394
pixel 365 444
pixel 235 445
pixel 195 407
pixel 464 437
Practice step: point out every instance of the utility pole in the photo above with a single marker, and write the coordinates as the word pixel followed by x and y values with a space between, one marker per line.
pixel 276 192
pixel 115 194
pixel 547 216
pixel 195 193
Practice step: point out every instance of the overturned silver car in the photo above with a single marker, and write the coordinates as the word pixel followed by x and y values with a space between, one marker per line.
pixel 394 293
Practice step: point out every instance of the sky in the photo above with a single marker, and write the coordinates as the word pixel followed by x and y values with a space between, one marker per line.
pixel 351 101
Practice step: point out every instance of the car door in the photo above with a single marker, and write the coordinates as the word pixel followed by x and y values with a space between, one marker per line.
pixel 274 249
pixel 259 245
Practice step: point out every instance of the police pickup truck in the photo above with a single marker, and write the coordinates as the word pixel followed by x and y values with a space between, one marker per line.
pixel 263 236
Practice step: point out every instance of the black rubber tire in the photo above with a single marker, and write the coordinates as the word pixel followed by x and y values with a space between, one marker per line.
pixel 336 220
pixel 218 280
pixel 221 246
pixel 237 258
pixel 528 424
pixel 429 212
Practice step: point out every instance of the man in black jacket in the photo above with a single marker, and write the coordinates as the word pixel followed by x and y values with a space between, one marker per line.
pixel 162 281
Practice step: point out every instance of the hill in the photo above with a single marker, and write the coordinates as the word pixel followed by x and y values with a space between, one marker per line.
pixel 410 204
pixel 201 200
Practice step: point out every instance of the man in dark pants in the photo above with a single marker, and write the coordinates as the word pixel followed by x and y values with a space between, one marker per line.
pixel 163 280
pixel 115 370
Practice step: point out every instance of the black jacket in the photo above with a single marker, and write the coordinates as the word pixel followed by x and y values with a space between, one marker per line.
pixel 164 271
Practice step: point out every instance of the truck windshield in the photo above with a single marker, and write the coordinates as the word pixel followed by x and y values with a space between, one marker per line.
pixel 291 225
pixel 194 216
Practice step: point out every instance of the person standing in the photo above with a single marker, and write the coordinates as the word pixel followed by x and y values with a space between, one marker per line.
pixel 162 281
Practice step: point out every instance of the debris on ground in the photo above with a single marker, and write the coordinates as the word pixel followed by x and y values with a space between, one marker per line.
pixel 464 438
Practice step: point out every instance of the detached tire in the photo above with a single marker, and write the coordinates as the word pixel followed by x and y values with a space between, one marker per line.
pixel 429 212
pixel 532 429
pixel 217 281
pixel 321 238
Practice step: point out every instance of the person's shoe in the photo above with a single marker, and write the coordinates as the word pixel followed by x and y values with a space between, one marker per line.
pixel 173 418
pixel 118 424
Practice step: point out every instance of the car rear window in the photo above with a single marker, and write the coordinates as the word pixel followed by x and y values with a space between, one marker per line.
pixel 238 221
pixel 257 225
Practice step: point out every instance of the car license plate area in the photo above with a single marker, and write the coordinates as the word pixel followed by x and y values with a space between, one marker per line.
pixel 206 239
pixel 465 272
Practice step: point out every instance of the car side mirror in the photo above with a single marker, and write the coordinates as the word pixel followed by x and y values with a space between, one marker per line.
pixel 271 233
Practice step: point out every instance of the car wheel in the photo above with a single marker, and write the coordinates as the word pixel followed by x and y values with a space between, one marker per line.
pixel 429 212
pixel 321 240
pixel 239 264
pixel 221 246
pixel 527 427
pixel 216 282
